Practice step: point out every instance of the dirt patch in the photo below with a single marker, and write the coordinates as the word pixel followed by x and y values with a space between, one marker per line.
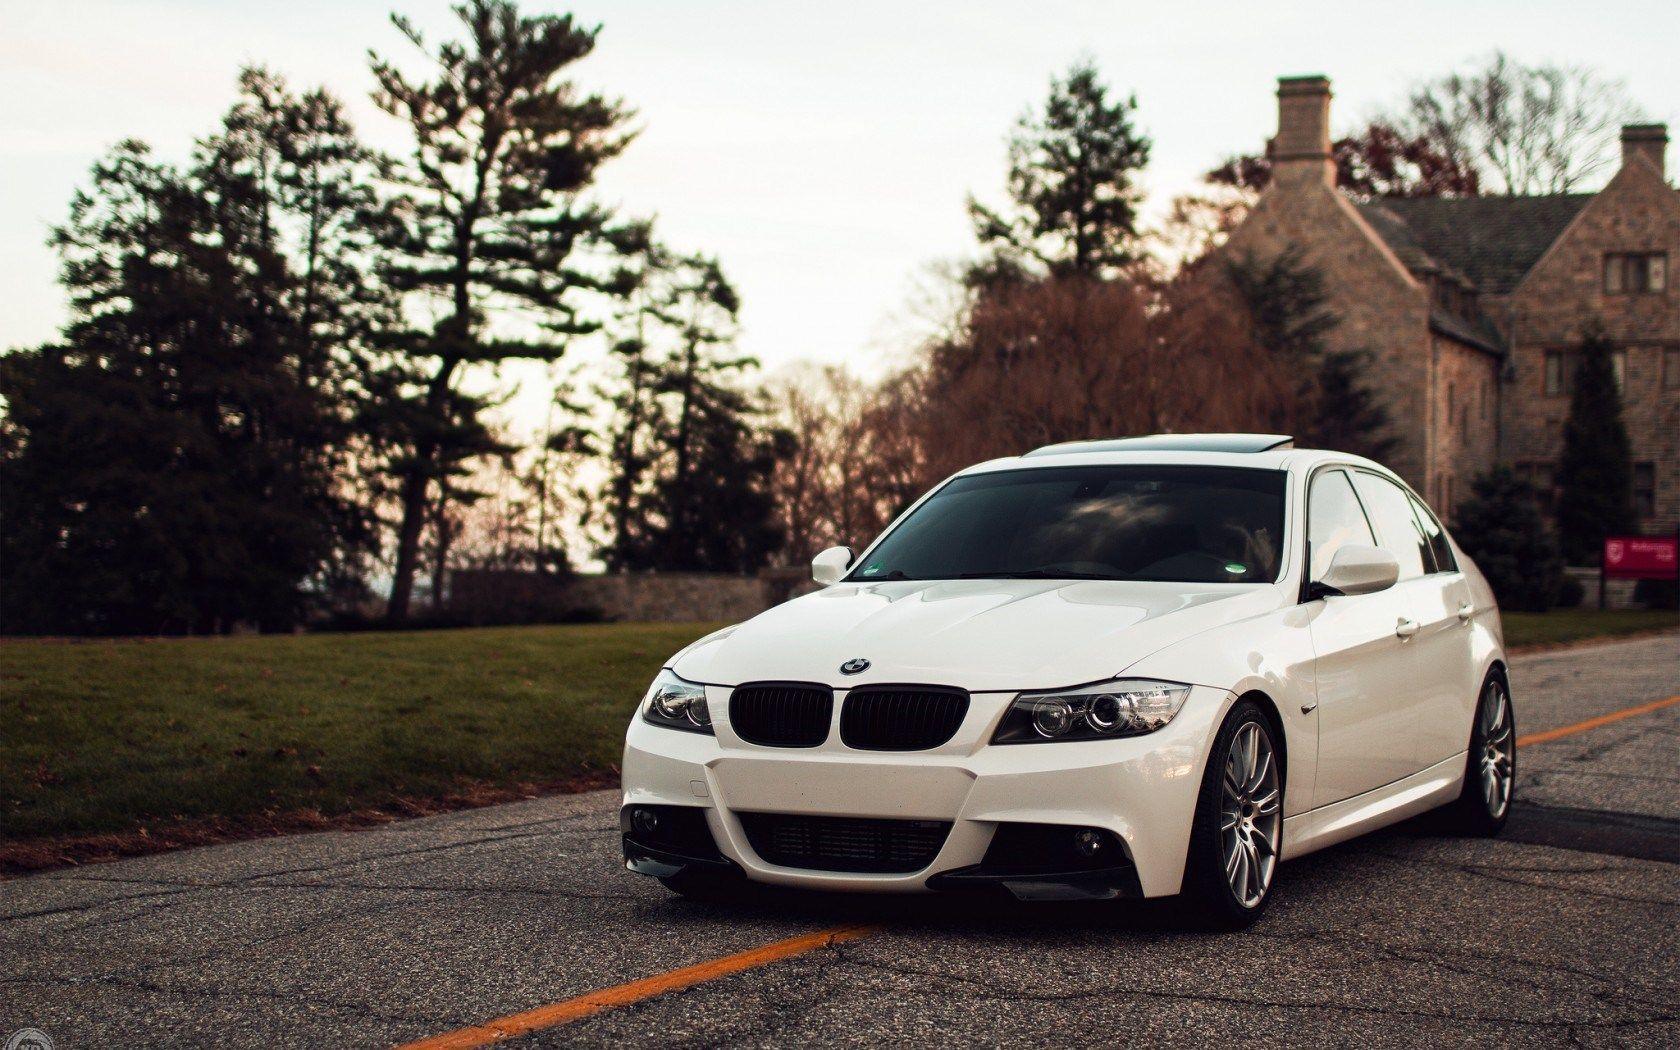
pixel 24 858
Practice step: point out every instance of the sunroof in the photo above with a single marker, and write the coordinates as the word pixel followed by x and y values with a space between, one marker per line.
pixel 1173 443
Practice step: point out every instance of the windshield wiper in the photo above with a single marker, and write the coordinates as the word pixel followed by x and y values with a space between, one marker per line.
pixel 1038 574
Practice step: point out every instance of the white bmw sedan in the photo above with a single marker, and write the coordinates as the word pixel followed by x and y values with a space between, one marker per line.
pixel 1140 667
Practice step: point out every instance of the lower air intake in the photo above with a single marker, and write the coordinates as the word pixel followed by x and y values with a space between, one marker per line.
pixel 848 844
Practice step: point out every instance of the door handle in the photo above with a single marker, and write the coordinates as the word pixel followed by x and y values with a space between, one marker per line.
pixel 1465 611
pixel 1406 628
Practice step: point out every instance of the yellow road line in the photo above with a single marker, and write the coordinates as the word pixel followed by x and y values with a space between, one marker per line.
pixel 1593 723
pixel 588 1005
pixel 515 1025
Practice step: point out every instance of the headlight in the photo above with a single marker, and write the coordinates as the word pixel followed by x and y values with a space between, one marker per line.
pixel 1128 707
pixel 677 704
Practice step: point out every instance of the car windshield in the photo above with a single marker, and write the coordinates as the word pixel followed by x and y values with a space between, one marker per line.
pixel 1184 524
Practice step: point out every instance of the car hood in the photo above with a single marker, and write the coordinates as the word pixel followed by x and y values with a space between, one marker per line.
pixel 997 635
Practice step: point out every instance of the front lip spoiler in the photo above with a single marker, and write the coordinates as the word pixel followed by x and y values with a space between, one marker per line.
pixel 1088 885
pixel 663 864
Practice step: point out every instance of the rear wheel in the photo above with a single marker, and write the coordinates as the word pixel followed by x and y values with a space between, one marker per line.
pixel 1238 830
pixel 1490 769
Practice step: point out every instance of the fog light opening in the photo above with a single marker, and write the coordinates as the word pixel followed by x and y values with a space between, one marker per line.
pixel 1087 842
pixel 645 821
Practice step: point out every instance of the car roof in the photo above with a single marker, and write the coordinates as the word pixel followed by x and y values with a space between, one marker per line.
pixel 1080 454
pixel 1173 443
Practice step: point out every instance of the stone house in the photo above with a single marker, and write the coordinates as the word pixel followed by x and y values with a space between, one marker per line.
pixel 1470 308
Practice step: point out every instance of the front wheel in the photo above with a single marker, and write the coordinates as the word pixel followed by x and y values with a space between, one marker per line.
pixel 1238 829
pixel 1490 770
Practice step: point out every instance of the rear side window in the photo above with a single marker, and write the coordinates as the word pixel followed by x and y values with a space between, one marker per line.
pixel 1398 531
pixel 1439 548
pixel 1334 519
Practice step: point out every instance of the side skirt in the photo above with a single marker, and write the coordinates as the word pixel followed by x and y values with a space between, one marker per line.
pixel 1379 807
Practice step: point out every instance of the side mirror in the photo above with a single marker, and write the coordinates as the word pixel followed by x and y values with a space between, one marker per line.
pixel 1358 568
pixel 829 566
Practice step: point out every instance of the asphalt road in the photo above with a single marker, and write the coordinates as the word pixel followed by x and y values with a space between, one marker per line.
pixel 1566 930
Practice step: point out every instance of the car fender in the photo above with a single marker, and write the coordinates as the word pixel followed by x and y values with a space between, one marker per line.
pixel 1487 629
pixel 1272 655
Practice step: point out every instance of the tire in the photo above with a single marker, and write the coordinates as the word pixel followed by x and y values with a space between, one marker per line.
pixel 1231 847
pixel 1483 806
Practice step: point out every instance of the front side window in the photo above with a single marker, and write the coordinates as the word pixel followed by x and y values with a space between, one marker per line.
pixel 1185 524
pixel 1398 531
pixel 1334 519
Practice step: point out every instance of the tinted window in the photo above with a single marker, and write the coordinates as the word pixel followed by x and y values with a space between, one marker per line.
pixel 1187 524
pixel 1440 550
pixel 1398 532
pixel 1334 519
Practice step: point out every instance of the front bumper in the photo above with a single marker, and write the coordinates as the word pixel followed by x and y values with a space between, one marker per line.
pixel 1141 789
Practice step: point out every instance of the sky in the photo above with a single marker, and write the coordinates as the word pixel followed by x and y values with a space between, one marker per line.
pixel 823 152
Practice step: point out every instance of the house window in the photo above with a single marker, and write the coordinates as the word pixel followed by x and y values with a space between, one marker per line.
pixel 1629 273
pixel 1559 373
pixel 1644 489
pixel 1539 475
pixel 1671 368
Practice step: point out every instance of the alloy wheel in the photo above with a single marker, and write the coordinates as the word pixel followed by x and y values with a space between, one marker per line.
pixel 1498 749
pixel 1251 814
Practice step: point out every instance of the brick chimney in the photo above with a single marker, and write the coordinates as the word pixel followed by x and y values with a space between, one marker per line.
pixel 1645 140
pixel 1301 151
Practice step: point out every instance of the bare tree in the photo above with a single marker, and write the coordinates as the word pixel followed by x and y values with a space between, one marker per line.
pixel 857 462
pixel 1524 129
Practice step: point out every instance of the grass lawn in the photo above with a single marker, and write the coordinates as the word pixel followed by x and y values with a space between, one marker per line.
pixel 1573 625
pixel 106 736
pixel 112 736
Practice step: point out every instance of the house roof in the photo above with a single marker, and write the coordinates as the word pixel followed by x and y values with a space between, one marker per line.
pixel 1476 331
pixel 1490 241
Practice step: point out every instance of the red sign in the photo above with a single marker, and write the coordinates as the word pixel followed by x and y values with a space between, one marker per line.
pixel 1642 557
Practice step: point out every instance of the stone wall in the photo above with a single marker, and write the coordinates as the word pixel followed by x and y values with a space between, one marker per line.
pixel 1564 293
pixel 1464 421
pixel 1618 594
pixel 1383 310
pixel 486 596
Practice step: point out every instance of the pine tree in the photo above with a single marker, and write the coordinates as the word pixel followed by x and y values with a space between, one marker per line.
pixel 1291 318
pixel 1072 190
pixel 632 434
pixel 1502 528
pixel 1595 471
pixel 498 240
pixel 174 462
pixel 694 458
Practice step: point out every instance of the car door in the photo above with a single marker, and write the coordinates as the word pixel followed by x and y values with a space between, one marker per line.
pixel 1450 681
pixel 1417 600
pixel 1363 669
